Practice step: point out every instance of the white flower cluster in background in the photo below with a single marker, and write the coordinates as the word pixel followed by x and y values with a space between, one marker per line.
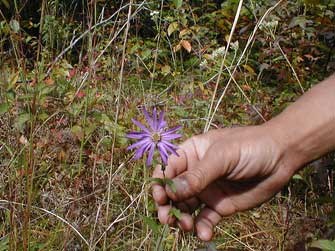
pixel 203 64
pixel 154 13
pixel 271 25
pixel 218 52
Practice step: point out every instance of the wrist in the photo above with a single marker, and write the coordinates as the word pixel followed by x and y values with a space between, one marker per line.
pixel 291 156
pixel 305 130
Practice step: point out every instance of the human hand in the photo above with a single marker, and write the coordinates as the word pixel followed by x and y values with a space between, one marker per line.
pixel 222 172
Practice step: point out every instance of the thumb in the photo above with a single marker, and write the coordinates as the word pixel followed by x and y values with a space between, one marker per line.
pixel 196 178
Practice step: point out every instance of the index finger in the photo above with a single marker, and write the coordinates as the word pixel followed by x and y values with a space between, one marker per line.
pixel 176 165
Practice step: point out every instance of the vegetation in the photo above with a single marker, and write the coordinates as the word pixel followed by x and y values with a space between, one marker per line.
pixel 74 73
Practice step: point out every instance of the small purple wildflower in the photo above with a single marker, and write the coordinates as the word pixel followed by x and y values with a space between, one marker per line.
pixel 157 136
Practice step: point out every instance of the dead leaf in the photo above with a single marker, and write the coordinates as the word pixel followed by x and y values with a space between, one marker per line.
pixel 23 140
pixel 186 45
pixel 184 32
pixel 80 94
pixel 49 81
pixel 177 48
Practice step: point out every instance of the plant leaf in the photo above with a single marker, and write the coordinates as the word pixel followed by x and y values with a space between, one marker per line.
pixel 297 177
pixel 325 245
pixel 4 108
pixel 172 28
pixel 152 224
pixel 178 3
pixel 78 132
pixel 171 185
pixel 6 3
pixel 166 69
pixel 157 180
pixel 14 25
pixel 21 120
pixel 186 45
pixel 175 212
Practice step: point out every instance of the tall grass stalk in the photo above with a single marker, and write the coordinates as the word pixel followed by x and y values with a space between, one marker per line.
pixel 246 48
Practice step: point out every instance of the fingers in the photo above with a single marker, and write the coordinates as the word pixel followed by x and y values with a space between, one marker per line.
pixel 189 206
pixel 185 222
pixel 213 165
pixel 205 222
pixel 175 166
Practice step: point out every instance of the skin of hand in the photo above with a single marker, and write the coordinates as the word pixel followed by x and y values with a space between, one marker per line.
pixel 227 170
pixel 230 170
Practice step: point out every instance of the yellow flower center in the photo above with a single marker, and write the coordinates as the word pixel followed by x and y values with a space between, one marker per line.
pixel 156 137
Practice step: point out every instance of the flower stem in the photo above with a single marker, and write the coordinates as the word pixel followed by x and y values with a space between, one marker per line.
pixel 163 170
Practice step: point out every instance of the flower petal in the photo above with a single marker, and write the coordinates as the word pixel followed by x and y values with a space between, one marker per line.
pixel 172 130
pixel 140 125
pixel 170 147
pixel 151 151
pixel 154 120
pixel 137 135
pixel 148 118
pixel 163 153
pixel 161 122
pixel 171 136
pixel 139 143
pixel 141 150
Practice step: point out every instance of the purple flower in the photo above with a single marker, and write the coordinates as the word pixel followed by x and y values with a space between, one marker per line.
pixel 156 136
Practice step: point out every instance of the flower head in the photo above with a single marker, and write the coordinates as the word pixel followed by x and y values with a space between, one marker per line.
pixel 156 136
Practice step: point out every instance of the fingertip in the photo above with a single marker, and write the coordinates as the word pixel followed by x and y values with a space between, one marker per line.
pixel 186 222
pixel 181 189
pixel 164 215
pixel 159 194
pixel 205 223
pixel 204 231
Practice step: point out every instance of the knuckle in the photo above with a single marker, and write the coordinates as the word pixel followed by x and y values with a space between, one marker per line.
pixel 196 180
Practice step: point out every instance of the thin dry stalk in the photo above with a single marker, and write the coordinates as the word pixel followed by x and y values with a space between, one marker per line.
pixel 237 15
pixel 249 42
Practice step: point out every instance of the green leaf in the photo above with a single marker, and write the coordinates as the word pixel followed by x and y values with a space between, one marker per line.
pixel 157 180
pixel 4 108
pixel 170 183
pixel 21 120
pixel 175 212
pixel 325 245
pixel 6 3
pixel 14 25
pixel 297 177
pixel 4 244
pixel 164 182
pixel 78 132
pixel 172 28
pixel 178 3
pixel 300 21
pixel 152 224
